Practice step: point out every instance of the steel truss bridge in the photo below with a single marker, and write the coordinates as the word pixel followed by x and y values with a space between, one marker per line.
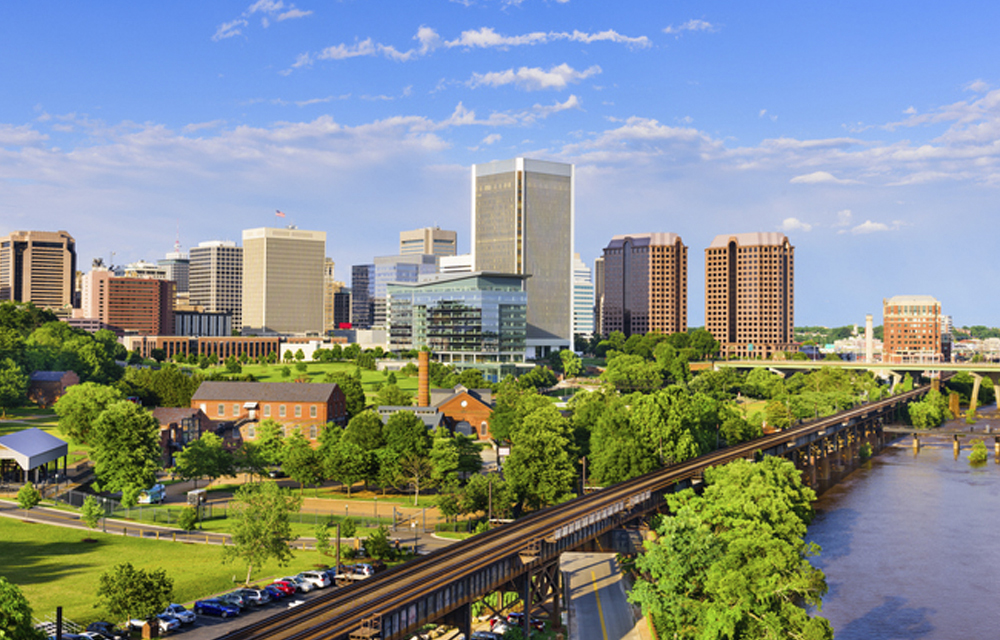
pixel 524 556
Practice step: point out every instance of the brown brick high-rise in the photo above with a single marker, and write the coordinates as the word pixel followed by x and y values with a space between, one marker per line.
pixel 644 284
pixel 750 294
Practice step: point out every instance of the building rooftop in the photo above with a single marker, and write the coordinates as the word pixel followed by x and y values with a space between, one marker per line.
pixel 265 391
pixel 644 240
pixel 911 300
pixel 756 239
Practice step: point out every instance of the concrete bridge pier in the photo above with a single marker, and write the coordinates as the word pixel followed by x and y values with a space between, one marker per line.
pixel 957 445
pixel 996 449
pixel 916 443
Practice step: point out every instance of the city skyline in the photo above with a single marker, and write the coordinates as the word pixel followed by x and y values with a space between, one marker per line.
pixel 867 138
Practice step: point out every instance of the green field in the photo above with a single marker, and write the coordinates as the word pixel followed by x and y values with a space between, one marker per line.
pixel 55 567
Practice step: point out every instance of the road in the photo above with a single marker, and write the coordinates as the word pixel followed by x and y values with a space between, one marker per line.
pixel 598 608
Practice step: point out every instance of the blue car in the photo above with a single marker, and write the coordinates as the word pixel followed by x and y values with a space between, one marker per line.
pixel 215 607
pixel 274 592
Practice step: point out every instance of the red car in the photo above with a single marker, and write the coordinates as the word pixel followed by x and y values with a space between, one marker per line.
pixel 286 588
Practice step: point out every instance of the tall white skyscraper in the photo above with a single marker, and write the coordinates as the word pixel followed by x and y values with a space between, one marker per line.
pixel 283 275
pixel 523 223
pixel 583 298
pixel 215 279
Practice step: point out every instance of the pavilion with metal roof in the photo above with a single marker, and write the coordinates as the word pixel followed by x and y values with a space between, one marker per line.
pixel 31 449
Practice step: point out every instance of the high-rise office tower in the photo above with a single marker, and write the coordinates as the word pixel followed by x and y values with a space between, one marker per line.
pixel 141 305
pixel 334 311
pixel 583 298
pixel 750 293
pixel 283 280
pixel 523 223
pixel 39 267
pixel 388 269
pixel 432 240
pixel 645 284
pixel 177 267
pixel 216 278
pixel 911 330
pixel 363 296
pixel 599 295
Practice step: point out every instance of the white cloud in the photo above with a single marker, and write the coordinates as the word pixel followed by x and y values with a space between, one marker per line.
pixel 22 136
pixel 794 224
pixel 271 9
pixel 492 138
pixel 869 227
pixel 819 177
pixel 979 86
pixel 690 25
pixel 910 111
pixel 534 78
pixel 843 218
pixel 483 38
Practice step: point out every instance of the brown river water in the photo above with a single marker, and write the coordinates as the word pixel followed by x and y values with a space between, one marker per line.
pixel 911 546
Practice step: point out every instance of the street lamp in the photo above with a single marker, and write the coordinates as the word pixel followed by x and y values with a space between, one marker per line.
pixel 413 525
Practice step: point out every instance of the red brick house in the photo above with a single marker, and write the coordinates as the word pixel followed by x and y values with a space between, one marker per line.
pixel 45 387
pixel 293 405
pixel 179 426
pixel 471 406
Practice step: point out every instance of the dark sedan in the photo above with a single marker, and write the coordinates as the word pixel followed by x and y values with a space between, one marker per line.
pixel 215 607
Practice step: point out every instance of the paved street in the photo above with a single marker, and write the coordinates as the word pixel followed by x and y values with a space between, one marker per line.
pixel 597 603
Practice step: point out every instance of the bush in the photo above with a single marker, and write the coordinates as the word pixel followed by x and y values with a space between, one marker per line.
pixel 978 455
pixel 187 519
pixel 28 496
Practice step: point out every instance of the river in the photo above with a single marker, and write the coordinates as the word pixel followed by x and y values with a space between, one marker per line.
pixel 911 546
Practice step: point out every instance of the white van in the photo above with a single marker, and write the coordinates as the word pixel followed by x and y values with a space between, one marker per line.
pixel 156 494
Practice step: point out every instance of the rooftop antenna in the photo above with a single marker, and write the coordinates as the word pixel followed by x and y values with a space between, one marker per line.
pixel 177 240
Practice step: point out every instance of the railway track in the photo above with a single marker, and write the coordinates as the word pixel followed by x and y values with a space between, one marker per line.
pixel 339 612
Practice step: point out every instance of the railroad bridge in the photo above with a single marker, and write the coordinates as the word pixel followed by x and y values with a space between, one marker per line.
pixel 524 556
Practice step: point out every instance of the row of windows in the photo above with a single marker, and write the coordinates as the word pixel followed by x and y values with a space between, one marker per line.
pixel 238 408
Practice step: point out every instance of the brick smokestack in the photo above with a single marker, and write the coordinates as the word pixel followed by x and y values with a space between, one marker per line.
pixel 423 379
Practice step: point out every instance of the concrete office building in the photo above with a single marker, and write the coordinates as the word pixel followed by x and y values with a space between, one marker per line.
pixel 141 269
pixel 750 294
pixel 333 302
pixel 645 284
pixel 455 264
pixel 177 267
pixel 431 240
pixel 283 281
pixel 138 305
pixel 216 279
pixel 911 330
pixel 599 295
pixel 39 267
pixel 523 224
pixel 583 298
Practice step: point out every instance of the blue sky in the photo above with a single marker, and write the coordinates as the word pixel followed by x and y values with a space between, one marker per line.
pixel 868 132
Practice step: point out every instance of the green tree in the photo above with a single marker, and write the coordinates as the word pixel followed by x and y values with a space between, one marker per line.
pixel 365 430
pixel 91 512
pixel 540 468
pixel 620 450
pixel 405 433
pixel 572 366
pixel 348 463
pixel 16 622
pixel 300 355
pixel 270 441
pixel 348 527
pixel 978 455
pixel 128 592
pixel 302 463
pixel 378 545
pixel 322 534
pixel 732 563
pixel 80 407
pixel 205 457
pixel 630 373
pixel 416 470
pixel 259 517
pixel 354 393
pixel 250 458
pixel 187 519
pixel 28 496
pixel 392 396
pixel 126 447
pixel 13 384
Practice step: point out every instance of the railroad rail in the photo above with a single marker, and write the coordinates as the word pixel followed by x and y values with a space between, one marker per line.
pixel 398 601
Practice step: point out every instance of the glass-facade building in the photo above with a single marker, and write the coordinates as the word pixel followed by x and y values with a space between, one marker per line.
pixel 476 320
pixel 362 296
pixel 522 223
pixel 403 268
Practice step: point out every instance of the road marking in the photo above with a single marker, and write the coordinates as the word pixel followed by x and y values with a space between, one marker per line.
pixel 600 612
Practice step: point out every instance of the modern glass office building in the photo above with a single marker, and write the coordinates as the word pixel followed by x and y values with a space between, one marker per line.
pixel 522 223
pixel 473 320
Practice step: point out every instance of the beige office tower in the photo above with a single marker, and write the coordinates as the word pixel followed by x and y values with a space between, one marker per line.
pixel 750 294
pixel 215 279
pixel 283 281
pixel 430 240
pixel 523 223
pixel 645 284
pixel 331 287
pixel 39 267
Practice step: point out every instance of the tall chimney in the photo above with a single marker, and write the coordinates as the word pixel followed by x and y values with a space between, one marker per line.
pixel 423 379
pixel 869 344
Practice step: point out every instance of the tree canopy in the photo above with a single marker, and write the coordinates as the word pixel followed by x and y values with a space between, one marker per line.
pixel 259 513
pixel 16 622
pixel 129 592
pixel 126 447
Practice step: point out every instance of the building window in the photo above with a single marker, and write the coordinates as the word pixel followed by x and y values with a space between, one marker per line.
pixel 312 432
pixel 312 411
pixel 267 411
pixel 222 409
pixel 298 411
pixel 251 434
pixel 281 411
pixel 236 410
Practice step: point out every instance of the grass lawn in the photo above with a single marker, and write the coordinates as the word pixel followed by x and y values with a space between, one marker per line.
pixel 54 567
pixel 454 535
pixel 427 501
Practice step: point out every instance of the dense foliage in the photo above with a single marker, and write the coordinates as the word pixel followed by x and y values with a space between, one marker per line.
pixel 261 530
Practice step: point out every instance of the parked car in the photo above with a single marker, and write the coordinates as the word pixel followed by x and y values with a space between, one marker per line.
pixel 255 597
pixel 178 611
pixel 379 566
pixel 274 474
pixel 486 635
pixel 317 578
pixel 108 630
pixel 300 583
pixel 275 593
pixel 165 623
pixel 156 494
pixel 235 598
pixel 516 619
pixel 287 588
pixel 335 573
pixel 215 607
pixel 362 571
